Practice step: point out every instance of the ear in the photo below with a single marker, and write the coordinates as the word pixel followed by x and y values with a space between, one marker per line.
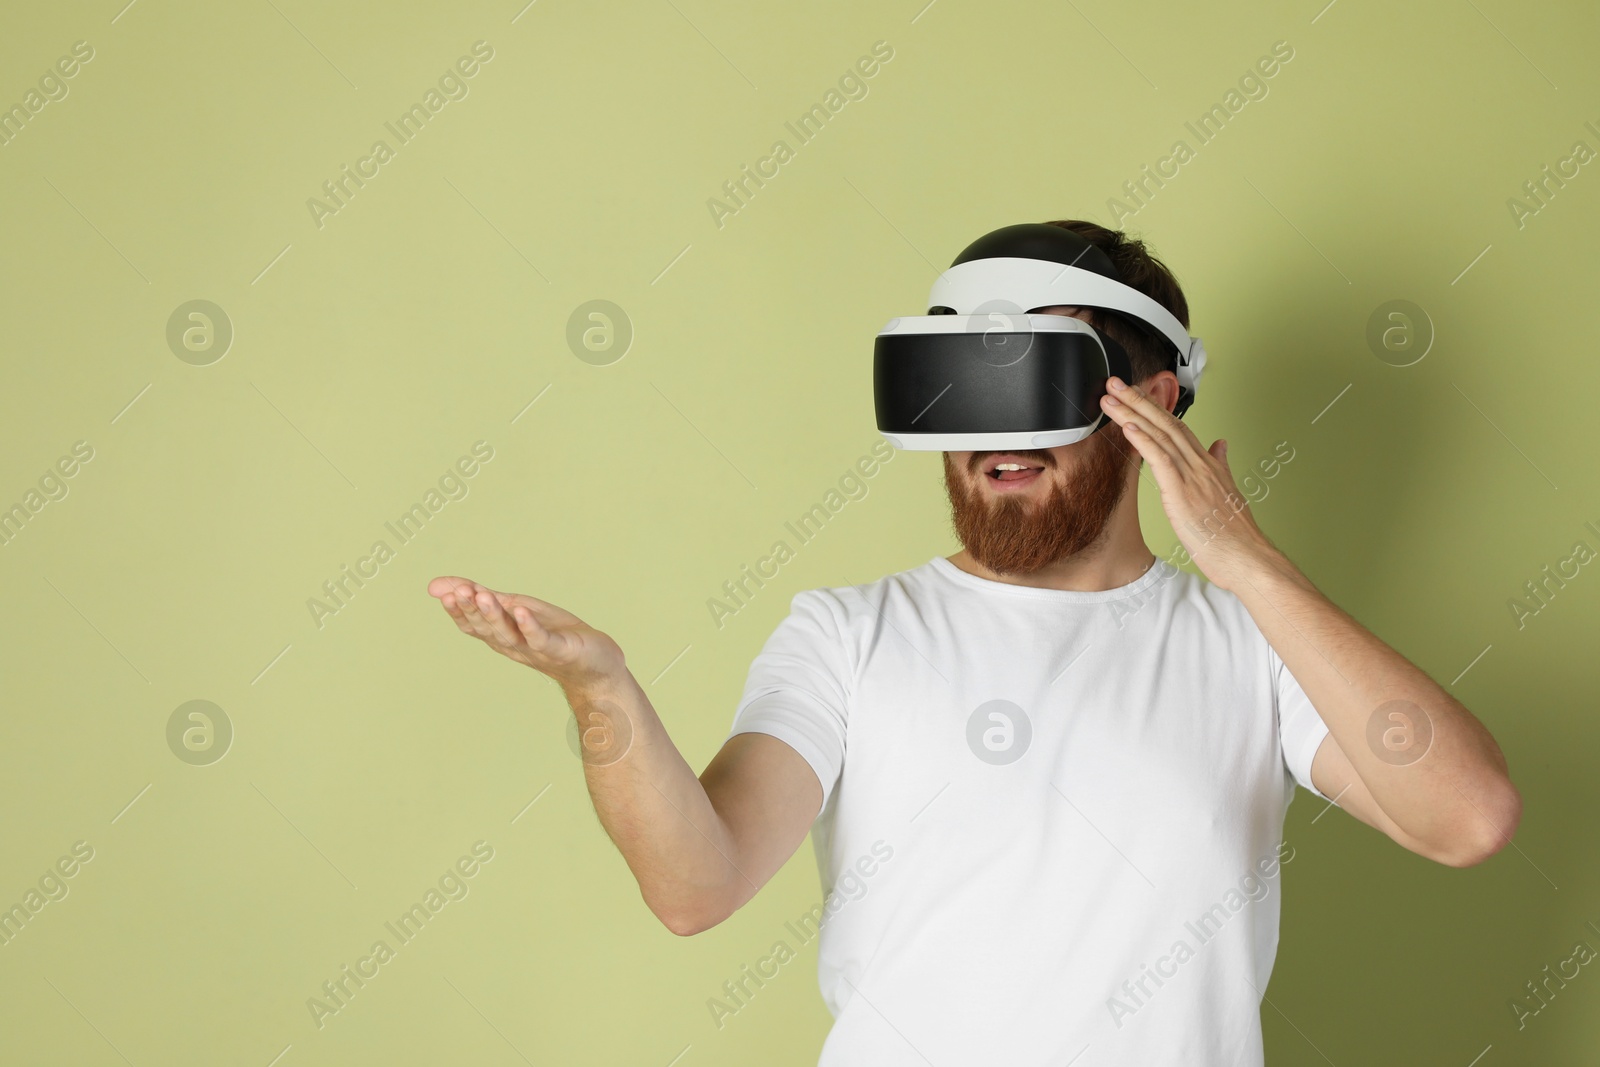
pixel 1163 388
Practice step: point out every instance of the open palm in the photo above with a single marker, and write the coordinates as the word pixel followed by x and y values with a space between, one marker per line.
pixel 530 631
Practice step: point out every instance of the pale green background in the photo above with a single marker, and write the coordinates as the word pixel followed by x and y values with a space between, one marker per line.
pixel 430 311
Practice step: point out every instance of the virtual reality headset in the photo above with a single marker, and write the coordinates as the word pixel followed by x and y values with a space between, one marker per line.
pixel 983 370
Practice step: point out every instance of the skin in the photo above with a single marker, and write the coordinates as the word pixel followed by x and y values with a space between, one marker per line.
pixel 698 847
pixel 701 846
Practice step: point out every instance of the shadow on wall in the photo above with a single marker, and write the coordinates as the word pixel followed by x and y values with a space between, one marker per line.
pixel 1384 954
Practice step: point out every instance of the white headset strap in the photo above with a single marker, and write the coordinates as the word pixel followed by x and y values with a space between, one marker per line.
pixel 1034 283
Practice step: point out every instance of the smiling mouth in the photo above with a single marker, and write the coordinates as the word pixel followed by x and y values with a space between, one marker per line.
pixel 1013 472
pixel 1010 472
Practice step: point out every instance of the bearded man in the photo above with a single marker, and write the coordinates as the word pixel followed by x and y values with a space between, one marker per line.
pixel 1045 777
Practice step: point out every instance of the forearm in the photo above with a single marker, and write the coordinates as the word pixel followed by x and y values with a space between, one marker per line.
pixel 1454 801
pixel 653 805
pixel 1450 789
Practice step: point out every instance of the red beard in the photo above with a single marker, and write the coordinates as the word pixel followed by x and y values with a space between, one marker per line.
pixel 1010 535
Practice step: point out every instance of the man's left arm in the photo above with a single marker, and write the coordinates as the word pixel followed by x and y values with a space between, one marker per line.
pixel 1432 778
pixel 1401 754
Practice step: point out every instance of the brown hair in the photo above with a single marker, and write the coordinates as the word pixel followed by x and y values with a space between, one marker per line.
pixel 1137 268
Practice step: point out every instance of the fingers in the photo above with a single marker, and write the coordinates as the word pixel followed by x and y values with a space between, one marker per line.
pixel 523 626
pixel 461 623
pixel 548 614
pixel 444 589
pixel 445 583
pixel 534 635
pixel 1162 463
pixel 1156 448
pixel 556 645
pixel 1130 406
pixel 500 624
pixel 456 595
pixel 1160 422
pixel 465 598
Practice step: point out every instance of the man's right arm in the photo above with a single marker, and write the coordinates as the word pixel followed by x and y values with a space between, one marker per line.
pixel 700 847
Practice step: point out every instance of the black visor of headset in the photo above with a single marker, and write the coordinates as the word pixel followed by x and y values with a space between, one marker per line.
pixel 985 370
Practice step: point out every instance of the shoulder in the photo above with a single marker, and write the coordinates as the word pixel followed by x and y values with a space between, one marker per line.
pixel 853 614
pixel 849 602
pixel 832 628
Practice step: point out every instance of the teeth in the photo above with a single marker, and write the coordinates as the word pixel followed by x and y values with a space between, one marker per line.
pixel 1011 467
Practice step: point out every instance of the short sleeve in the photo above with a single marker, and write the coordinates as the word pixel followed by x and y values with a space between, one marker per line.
pixel 1300 728
pixel 798 688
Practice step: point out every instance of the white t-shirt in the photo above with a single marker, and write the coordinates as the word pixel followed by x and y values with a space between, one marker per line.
pixel 1051 821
